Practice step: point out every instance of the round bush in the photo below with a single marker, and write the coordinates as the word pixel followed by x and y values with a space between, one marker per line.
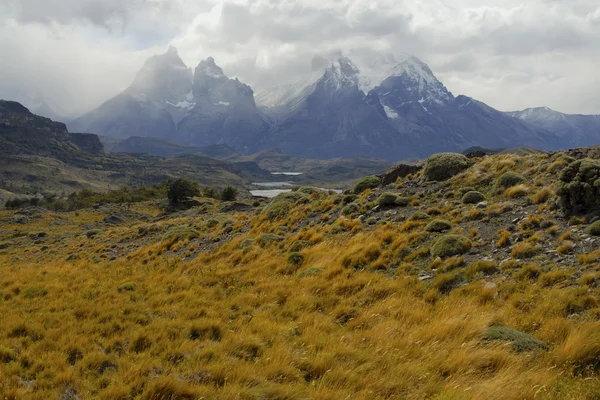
pixel 509 179
pixel 438 225
pixel 369 182
pixel 402 201
pixel 419 216
pixel 270 238
pixel 473 197
pixel 387 200
pixel 593 229
pixel 443 166
pixel 451 245
pixel 282 203
pixel 350 209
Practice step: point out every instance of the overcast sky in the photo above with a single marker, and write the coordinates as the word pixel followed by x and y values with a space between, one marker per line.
pixel 510 54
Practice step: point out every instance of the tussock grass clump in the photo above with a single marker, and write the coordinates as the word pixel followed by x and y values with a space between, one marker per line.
pixel 509 179
pixel 529 271
pixel 438 225
pixel 368 182
pixel 593 229
pixel 524 250
pixel 179 233
pixel 581 350
pixel 553 277
pixel 589 258
pixel 473 197
pixel 451 245
pixel 205 331
pixel 281 204
pixel 520 341
pixel 542 195
pixel 517 191
pixel 443 166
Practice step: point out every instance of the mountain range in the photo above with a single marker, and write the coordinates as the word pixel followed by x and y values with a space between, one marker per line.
pixel 393 108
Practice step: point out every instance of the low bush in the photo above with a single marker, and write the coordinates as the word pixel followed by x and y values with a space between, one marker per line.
pixel 443 166
pixel 520 341
pixel 350 209
pixel 281 204
pixel 438 225
pixel 369 182
pixel 473 197
pixel 593 229
pixel 300 245
pixel 387 200
pixel 509 179
pixel 451 245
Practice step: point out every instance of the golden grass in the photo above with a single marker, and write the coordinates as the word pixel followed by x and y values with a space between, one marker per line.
pixel 140 317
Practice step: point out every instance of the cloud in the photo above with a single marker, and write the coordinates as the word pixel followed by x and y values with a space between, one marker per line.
pixel 507 53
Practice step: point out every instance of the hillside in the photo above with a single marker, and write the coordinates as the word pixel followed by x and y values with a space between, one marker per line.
pixel 41 156
pixel 467 279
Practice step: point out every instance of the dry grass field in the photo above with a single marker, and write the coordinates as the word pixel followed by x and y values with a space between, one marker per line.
pixel 419 294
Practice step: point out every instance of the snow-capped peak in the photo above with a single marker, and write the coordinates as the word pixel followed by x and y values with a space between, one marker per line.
pixel 342 73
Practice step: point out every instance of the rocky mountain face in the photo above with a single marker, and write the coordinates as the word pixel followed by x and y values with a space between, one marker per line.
pixel 391 108
pixel 22 132
pixel 169 101
pixel 574 130
pixel 405 112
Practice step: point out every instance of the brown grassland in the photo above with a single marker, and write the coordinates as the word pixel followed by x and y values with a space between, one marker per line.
pixel 205 304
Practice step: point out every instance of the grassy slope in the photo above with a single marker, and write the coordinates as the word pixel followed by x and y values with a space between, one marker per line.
pixel 127 314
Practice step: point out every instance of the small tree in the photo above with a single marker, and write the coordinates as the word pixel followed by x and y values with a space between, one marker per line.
pixel 182 189
pixel 229 194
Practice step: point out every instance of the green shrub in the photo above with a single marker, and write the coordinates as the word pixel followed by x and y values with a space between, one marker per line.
pixel 438 225
pixel 579 187
pixel 369 182
pixel 419 216
pixel 444 283
pixel 269 238
pixel 402 201
pixel 473 197
pixel 451 245
pixel 281 204
pixel 387 199
pixel 350 209
pixel 593 229
pixel 509 179
pixel 300 245
pixel 182 189
pixel 178 233
pixel 443 166
pixel 349 198
pixel 295 258
pixel 229 194
pixel 520 341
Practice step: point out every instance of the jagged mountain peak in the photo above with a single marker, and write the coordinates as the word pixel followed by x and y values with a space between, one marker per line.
pixel 164 77
pixel 209 68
